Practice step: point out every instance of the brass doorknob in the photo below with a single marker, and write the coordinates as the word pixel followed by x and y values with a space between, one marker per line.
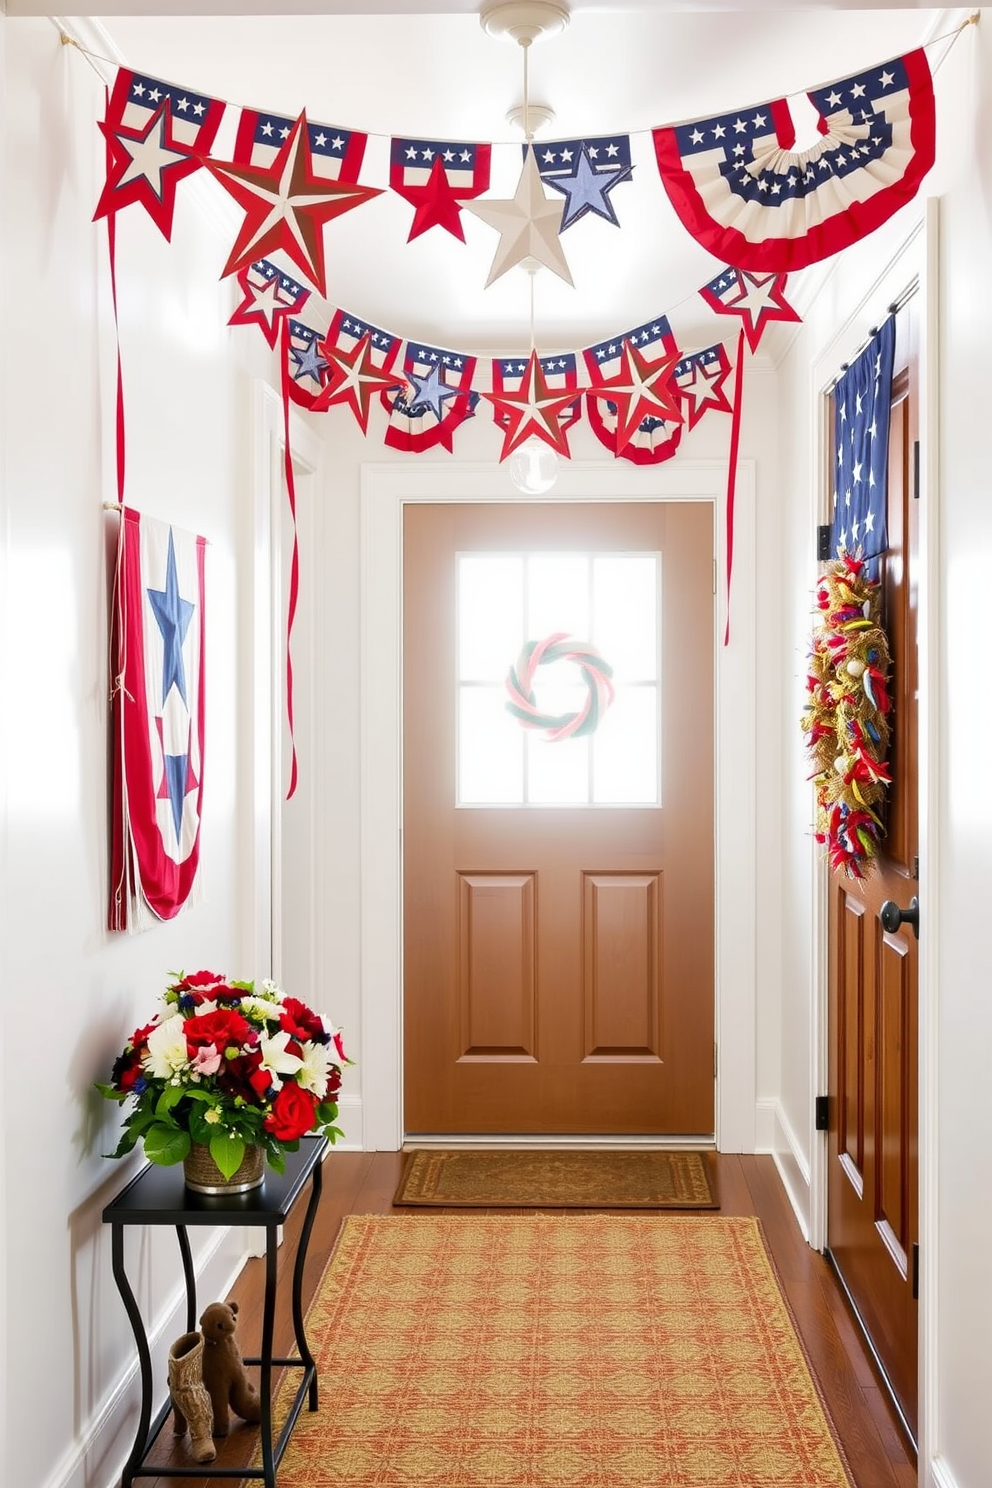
pixel 892 916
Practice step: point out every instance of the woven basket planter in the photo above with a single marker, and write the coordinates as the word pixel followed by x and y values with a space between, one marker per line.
pixel 204 1176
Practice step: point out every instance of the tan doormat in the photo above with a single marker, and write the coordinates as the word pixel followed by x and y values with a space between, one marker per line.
pixel 526 1179
pixel 557 1351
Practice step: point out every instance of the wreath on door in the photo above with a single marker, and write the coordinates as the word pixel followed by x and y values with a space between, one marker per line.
pixel 596 674
pixel 846 719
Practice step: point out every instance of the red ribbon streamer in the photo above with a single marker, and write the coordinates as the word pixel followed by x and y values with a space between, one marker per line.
pixel 294 569
pixel 112 251
pixel 735 439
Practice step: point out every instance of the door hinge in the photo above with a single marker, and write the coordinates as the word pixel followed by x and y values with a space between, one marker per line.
pixel 821 1113
pixel 823 542
pixel 916 470
pixel 916 1271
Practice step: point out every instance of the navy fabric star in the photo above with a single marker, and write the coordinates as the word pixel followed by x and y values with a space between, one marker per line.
pixel 588 189
pixel 176 772
pixel 173 615
pixel 309 362
pixel 430 392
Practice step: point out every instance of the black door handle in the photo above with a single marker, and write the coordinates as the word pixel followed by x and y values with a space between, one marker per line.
pixel 892 916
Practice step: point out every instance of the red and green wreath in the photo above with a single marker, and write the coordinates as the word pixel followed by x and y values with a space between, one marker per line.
pixel 846 719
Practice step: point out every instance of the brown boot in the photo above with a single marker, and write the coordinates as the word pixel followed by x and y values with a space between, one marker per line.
pixel 190 1400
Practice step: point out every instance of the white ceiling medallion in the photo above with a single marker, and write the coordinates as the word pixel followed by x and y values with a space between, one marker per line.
pixel 524 21
pixel 539 116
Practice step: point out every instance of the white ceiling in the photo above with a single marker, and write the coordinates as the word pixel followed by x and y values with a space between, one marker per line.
pixel 391 70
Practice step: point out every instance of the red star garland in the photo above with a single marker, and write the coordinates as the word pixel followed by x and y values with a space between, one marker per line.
pixel 353 378
pixel 268 298
pixel 145 165
pixel 758 299
pixel 703 388
pixel 434 203
pixel 286 206
pixel 533 409
pixel 641 389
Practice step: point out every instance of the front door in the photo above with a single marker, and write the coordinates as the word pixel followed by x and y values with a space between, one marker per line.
pixel 873 1206
pixel 558 868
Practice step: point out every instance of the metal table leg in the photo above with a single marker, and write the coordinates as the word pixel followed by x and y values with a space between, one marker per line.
pixel 301 1256
pixel 144 1357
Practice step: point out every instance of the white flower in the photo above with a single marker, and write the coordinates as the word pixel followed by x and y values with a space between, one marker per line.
pixel 317 1064
pixel 275 1059
pixel 167 1053
pixel 270 991
pixel 259 1009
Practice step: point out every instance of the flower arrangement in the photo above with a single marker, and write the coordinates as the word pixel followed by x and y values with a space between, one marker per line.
pixel 228 1065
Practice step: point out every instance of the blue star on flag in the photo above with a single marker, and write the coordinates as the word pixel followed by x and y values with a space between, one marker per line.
pixel 172 614
pixel 430 392
pixel 309 362
pixel 588 189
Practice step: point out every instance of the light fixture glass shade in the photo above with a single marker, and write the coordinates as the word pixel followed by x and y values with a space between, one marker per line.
pixel 533 467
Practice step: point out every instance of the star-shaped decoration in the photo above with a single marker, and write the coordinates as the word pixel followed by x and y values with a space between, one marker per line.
pixel 172 614
pixel 588 189
pixel 760 298
pixel 533 409
pixel 178 778
pixel 268 298
pixel 430 392
pixel 640 389
pixel 434 203
pixel 353 378
pixel 309 362
pixel 528 224
pixel 286 205
pixel 145 165
pixel 703 387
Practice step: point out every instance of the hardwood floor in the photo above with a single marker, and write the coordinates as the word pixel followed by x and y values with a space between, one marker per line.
pixel 364 1183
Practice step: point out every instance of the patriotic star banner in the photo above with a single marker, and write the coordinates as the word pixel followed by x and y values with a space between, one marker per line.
pixel 155 133
pixel 561 375
pixel 269 296
pixel 435 176
pixel 158 650
pixel 740 190
pixel 700 379
pixel 862 398
pixel 305 366
pixel 585 171
pixel 437 398
pixel 655 438
pixel 336 154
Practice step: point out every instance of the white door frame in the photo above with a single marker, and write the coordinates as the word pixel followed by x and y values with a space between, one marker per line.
pixel 385 489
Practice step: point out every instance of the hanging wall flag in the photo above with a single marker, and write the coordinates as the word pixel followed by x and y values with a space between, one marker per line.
pixel 158 651
pixel 436 398
pixel 533 408
pixel 585 171
pixel 755 298
pixel 335 154
pixel 743 193
pixel 700 379
pixel 655 438
pixel 862 397
pixel 269 296
pixel 155 133
pixel 435 177
pixel 359 361
pixel 286 205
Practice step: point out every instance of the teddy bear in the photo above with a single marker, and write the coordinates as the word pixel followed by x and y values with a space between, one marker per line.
pixel 224 1374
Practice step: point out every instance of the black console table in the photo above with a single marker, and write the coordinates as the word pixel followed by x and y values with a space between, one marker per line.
pixel 159 1196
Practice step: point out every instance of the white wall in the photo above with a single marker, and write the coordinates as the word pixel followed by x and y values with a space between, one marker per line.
pixel 956 849
pixel 73 992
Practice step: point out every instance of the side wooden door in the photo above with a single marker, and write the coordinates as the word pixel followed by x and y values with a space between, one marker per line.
pixel 558 957
pixel 873 1200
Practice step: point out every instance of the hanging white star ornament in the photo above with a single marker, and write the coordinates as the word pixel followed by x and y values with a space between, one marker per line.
pixel 528 224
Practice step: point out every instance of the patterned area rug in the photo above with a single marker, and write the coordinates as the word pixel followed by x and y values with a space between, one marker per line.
pixel 580 1351
pixel 524 1179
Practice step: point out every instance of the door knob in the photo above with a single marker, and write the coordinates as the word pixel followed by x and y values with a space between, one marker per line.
pixel 892 916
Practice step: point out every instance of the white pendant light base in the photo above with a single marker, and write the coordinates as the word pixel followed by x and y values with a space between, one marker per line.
pixel 539 116
pixel 524 21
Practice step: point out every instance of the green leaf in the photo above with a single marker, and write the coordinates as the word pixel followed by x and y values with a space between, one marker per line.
pixel 110 1092
pixel 166 1145
pixel 127 1144
pixel 171 1096
pixel 227 1152
pixel 277 1159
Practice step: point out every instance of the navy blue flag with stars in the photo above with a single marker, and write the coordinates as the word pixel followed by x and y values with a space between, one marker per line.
pixel 585 171
pixel 861 449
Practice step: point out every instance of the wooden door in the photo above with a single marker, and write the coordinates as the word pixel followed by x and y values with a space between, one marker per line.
pixel 558 960
pixel 873 1206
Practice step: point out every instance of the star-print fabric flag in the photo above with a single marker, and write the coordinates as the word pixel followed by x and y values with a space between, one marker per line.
pixel 437 398
pixel 335 154
pixel 269 296
pixel 435 176
pixel 748 197
pixel 158 652
pixel 155 133
pixel 862 398
pixel 359 358
pixel 700 377
pixel 585 171
pixel 560 373
pixel 655 438
pixel 307 367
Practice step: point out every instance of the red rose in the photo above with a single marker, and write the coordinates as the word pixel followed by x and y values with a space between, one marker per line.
pixel 299 1021
pixel 223 1028
pixel 292 1114
pixel 333 1082
pixel 199 979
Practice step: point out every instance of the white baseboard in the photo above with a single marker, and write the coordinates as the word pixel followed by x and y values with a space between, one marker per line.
pixel 938 1475
pixel 776 1137
pixel 99 1453
pixel 351 1120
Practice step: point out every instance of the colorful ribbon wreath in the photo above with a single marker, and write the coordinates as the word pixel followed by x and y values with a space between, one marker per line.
pixel 846 717
pixel 595 672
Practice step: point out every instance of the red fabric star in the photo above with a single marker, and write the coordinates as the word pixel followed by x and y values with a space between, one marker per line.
pixel 533 409
pixel 286 205
pixel 641 389
pixel 267 301
pixel 353 378
pixel 704 388
pixel 758 299
pixel 434 203
pixel 145 165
